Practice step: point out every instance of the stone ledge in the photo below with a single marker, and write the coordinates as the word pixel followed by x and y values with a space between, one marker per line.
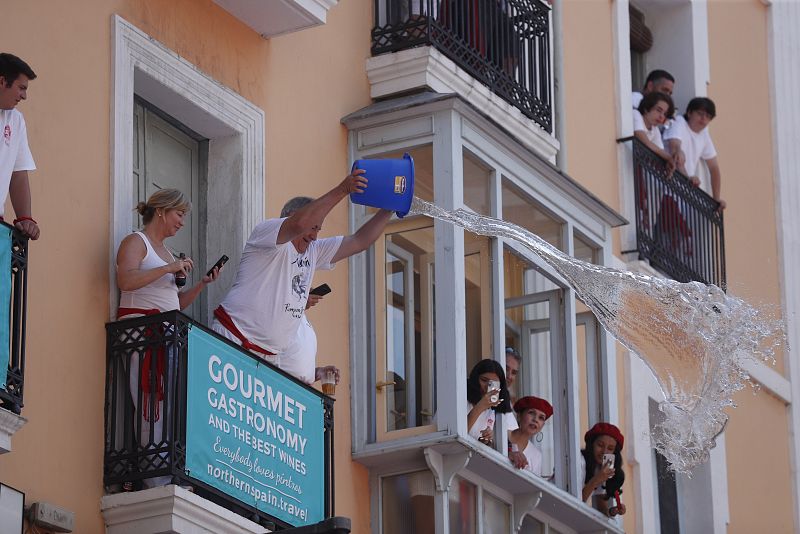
pixel 426 68
pixel 9 424
pixel 171 509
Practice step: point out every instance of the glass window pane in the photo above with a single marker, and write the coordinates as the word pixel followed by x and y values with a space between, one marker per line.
pixel 531 525
pixel 523 211
pixel 496 515
pixel 583 250
pixel 409 328
pixel 463 503
pixel 478 295
pixel 407 503
pixel 477 184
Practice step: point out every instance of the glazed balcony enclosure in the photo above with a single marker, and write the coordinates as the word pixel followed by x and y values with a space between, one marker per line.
pixel 679 227
pixel 504 44
pixel 431 300
pixel 186 407
pixel 13 306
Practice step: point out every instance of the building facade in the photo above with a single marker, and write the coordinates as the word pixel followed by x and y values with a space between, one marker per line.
pixel 516 110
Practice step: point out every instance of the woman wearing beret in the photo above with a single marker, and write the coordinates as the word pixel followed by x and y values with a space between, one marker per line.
pixel 603 480
pixel 532 414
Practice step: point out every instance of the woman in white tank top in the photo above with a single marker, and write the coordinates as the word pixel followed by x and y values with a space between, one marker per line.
pixel 146 272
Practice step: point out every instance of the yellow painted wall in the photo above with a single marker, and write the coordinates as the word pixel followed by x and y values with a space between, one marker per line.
pixel 758 431
pixel 305 82
pixel 590 97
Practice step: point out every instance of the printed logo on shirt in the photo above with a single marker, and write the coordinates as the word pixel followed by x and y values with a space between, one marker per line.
pixel 7 134
pixel 302 262
pixel 298 287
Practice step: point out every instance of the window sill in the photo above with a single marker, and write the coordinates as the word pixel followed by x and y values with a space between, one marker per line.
pixel 9 424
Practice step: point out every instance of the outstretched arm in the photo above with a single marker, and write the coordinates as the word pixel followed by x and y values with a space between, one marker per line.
pixel 364 236
pixel 313 214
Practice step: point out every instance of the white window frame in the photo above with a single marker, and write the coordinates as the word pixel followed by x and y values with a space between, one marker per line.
pixel 233 126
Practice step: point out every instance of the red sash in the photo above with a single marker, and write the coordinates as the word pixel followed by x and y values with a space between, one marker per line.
pixel 226 321
pixel 144 372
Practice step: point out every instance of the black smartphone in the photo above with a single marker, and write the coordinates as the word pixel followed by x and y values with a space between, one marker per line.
pixel 321 291
pixel 219 264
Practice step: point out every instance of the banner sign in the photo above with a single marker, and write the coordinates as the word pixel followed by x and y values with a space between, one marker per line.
pixel 254 434
pixel 5 302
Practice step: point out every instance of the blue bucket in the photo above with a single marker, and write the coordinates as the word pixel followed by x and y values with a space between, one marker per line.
pixel 391 184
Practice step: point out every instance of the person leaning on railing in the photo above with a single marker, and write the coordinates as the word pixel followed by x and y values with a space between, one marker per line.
pixel 654 110
pixel 488 398
pixel 15 155
pixel 146 276
pixel 689 141
pixel 532 414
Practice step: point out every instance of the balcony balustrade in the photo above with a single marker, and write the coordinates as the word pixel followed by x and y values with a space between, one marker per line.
pixel 505 44
pixel 184 406
pixel 679 228
pixel 13 308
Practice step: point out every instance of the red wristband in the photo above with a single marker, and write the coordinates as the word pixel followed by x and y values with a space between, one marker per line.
pixel 25 218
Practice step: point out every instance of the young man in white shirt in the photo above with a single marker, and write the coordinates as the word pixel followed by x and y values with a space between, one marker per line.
pixel 689 141
pixel 658 81
pixel 15 155
pixel 264 311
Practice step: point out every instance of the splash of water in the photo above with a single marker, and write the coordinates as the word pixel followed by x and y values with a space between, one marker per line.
pixel 693 337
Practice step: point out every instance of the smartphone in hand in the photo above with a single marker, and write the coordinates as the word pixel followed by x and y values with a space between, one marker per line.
pixel 218 265
pixel 321 291
pixel 608 460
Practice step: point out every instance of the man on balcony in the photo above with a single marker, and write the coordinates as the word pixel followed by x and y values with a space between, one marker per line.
pixel 15 156
pixel 264 311
pixel 658 81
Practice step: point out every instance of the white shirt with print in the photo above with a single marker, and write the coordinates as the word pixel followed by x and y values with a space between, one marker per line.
pixel 15 155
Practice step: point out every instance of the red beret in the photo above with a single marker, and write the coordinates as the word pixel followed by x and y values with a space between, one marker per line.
pixel 605 429
pixel 526 403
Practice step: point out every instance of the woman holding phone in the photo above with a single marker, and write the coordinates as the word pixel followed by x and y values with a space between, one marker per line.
pixel 487 395
pixel 149 276
pixel 602 468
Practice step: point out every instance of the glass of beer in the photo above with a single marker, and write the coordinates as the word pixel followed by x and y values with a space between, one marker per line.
pixel 329 382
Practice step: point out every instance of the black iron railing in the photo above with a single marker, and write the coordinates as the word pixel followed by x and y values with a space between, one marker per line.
pixel 679 228
pixel 148 447
pixel 505 44
pixel 11 395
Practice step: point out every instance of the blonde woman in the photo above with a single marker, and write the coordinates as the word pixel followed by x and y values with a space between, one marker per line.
pixel 146 276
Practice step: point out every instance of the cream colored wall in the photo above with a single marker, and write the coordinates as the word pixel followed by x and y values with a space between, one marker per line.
pixel 758 433
pixel 589 93
pixel 304 82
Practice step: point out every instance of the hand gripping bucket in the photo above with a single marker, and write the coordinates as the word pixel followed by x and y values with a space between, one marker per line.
pixel 391 184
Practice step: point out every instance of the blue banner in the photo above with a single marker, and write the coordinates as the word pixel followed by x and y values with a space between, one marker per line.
pixel 254 434
pixel 5 301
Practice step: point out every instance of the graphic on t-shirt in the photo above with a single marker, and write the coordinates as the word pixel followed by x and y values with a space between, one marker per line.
pixel 7 134
pixel 298 287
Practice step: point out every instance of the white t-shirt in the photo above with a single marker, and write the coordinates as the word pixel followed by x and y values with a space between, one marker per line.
pixel 268 298
pixel 534 456
pixel 636 99
pixel 15 155
pixel 695 146
pixel 599 490
pixel 653 134
pixel 487 418
pixel 300 360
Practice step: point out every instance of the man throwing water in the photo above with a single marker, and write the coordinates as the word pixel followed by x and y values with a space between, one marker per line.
pixel 264 311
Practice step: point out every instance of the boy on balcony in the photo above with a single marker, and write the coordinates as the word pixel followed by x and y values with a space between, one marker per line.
pixel 15 156
pixel 264 311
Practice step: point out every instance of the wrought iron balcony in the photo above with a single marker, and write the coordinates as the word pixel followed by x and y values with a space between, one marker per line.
pixel 679 228
pixel 13 301
pixel 184 406
pixel 504 44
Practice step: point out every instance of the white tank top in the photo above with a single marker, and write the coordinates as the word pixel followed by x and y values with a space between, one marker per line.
pixel 161 294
